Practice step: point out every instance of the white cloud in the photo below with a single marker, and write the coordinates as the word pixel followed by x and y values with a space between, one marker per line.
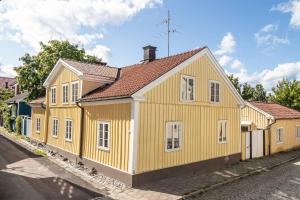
pixel 267 39
pixel 270 77
pixel 29 22
pixel 292 7
pixel 237 64
pixel 7 71
pixel 227 45
pixel 224 60
pixel 100 51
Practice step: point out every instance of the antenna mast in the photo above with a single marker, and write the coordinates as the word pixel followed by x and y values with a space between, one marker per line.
pixel 168 22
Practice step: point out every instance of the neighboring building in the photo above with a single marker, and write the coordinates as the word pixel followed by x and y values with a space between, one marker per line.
pixel 162 117
pixel 38 123
pixel 19 107
pixel 6 82
pixel 268 128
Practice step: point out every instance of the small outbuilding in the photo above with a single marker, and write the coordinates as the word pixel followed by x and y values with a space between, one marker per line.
pixel 268 128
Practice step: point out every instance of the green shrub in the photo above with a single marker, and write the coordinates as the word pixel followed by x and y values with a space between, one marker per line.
pixel 18 125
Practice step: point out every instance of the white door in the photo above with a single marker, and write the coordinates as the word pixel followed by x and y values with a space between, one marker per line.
pixel 247 145
pixel 257 143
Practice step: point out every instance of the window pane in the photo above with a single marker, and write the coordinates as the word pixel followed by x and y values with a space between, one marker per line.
pixel 191 89
pixel 183 87
pixel 217 92
pixel 212 92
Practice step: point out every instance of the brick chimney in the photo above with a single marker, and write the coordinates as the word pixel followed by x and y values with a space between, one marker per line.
pixel 149 53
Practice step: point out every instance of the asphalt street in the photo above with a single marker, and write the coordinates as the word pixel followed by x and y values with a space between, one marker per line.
pixel 282 183
pixel 24 175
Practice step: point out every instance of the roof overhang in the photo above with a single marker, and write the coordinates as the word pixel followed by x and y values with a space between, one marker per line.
pixel 60 63
pixel 269 116
pixel 204 52
pixel 106 101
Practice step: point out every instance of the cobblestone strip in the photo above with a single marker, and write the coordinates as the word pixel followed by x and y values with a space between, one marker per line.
pixel 230 180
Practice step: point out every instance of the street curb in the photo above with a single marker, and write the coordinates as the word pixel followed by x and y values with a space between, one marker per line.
pixel 231 180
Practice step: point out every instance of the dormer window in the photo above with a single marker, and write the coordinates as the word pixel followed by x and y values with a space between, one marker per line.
pixel 187 88
pixel 65 93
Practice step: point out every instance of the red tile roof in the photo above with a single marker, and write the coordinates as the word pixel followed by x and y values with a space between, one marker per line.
pixel 94 71
pixel 9 81
pixel 135 77
pixel 276 110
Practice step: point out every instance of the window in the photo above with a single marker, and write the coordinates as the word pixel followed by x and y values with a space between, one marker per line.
pixel 65 94
pixel 279 135
pixel 54 127
pixel 173 136
pixel 68 129
pixel 187 88
pixel 74 91
pixel 214 91
pixel 37 124
pixel 222 131
pixel 103 135
pixel 53 95
pixel 298 132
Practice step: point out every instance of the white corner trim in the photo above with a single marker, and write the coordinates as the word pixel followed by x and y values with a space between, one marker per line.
pixel 260 111
pixel 133 141
pixel 187 62
pixel 60 63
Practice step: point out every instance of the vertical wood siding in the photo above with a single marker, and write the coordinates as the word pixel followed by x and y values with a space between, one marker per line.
pixel 63 111
pixel 199 120
pixel 38 113
pixel 289 135
pixel 119 116
pixel 249 114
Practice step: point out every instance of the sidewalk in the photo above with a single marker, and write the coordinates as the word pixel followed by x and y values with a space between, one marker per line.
pixel 186 186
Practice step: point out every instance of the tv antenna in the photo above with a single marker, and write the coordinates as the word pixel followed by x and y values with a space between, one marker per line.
pixel 170 30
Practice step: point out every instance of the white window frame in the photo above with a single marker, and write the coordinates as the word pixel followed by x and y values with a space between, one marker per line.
pixel 181 88
pixel 214 82
pixel 67 93
pixel 102 147
pixel 68 136
pixel 277 136
pixel 37 124
pixel 53 101
pixel 72 92
pixel 57 127
pixel 298 131
pixel 180 136
pixel 221 124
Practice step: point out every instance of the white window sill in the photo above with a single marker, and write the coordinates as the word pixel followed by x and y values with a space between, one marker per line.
pixel 103 149
pixel 55 136
pixel 37 132
pixel 172 150
pixel 279 142
pixel 68 140
pixel 297 138
pixel 222 142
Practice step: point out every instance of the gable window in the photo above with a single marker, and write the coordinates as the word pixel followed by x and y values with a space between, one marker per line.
pixel 53 95
pixel 65 92
pixel 75 93
pixel 279 135
pixel 173 136
pixel 54 127
pixel 222 131
pixel 68 129
pixel 37 124
pixel 214 91
pixel 187 88
pixel 298 131
pixel 103 132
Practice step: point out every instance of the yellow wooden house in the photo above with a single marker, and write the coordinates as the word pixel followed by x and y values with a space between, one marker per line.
pixel 158 118
pixel 268 128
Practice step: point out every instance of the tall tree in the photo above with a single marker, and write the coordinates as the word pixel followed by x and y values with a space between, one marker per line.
pixel 287 93
pixel 248 92
pixel 235 82
pixel 35 68
pixel 4 111
pixel 259 93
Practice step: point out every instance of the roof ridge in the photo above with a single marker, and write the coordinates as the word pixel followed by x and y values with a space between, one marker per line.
pixel 171 56
pixel 90 63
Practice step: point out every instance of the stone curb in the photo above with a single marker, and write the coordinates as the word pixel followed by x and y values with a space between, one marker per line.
pixel 231 180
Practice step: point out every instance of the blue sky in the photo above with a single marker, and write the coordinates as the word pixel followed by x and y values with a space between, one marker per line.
pixel 256 40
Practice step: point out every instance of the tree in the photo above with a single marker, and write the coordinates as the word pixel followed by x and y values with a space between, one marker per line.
pixel 235 82
pixel 259 93
pixel 248 92
pixel 287 93
pixel 4 111
pixel 35 68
